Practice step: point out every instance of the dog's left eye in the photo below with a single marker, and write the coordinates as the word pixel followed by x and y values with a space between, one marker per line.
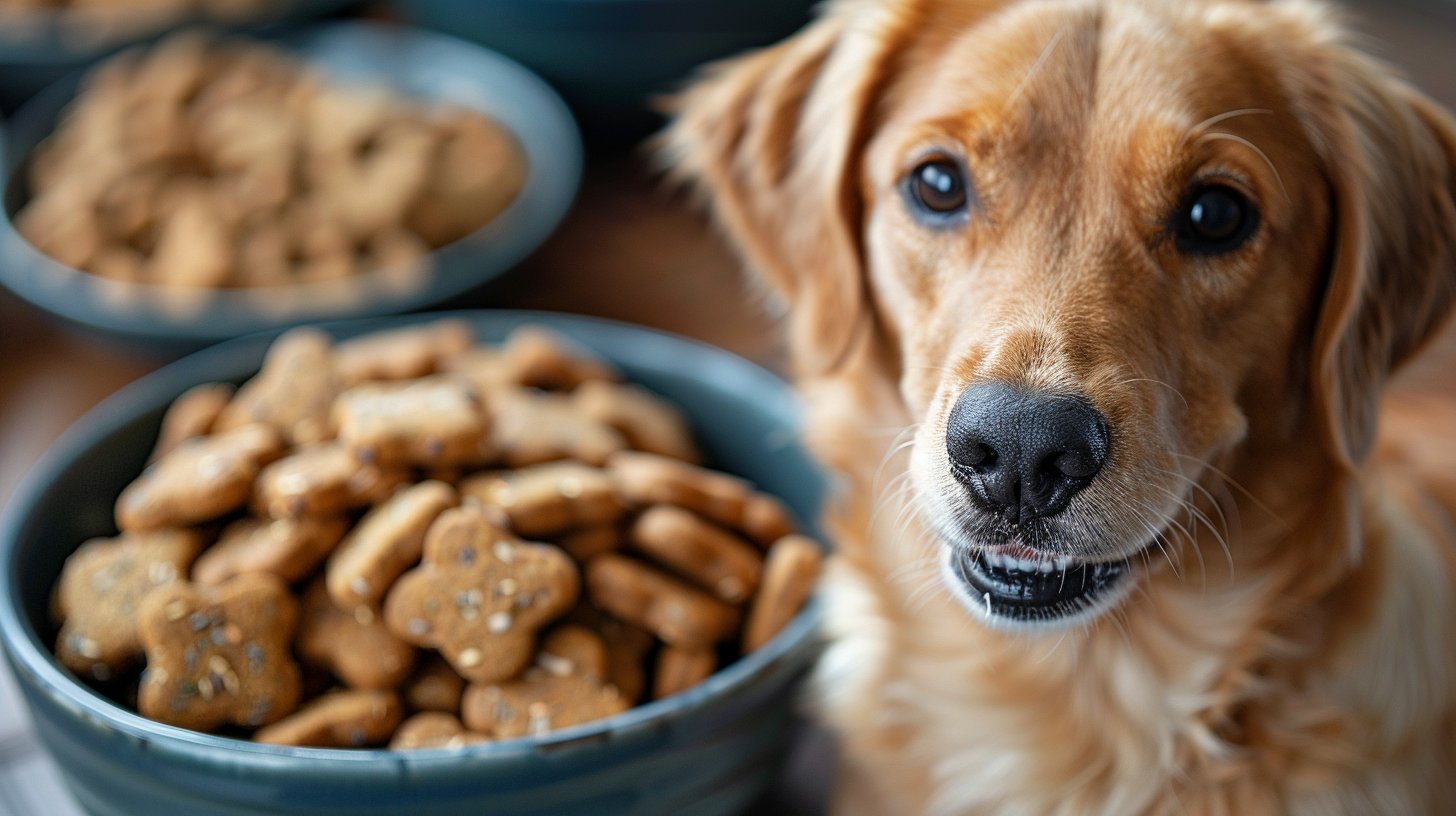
pixel 938 188
pixel 1214 219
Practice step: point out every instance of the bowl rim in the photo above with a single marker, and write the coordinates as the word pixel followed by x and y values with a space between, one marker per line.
pixel 550 189
pixel 30 657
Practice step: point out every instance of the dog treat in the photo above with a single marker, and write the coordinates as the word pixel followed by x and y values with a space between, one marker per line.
pixel 588 543
pixel 647 422
pixel 433 729
pixel 200 479
pixel 435 687
pixel 789 574
pixel 529 428
pixel 430 422
pixel 538 702
pixel 548 499
pixel 219 655
pixel 339 719
pixel 681 669
pixel 403 354
pixel 354 645
pixel 572 649
pixel 192 415
pixel 388 540
pixel 710 556
pixel 676 613
pixel 480 595
pixel 213 163
pixel 645 478
pixel 287 548
pixel 294 391
pixel 100 588
pixel 317 480
pixel 414 556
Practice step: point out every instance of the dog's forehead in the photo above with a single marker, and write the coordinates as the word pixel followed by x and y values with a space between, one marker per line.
pixel 1050 73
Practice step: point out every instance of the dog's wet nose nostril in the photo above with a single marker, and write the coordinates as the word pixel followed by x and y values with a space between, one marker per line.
pixel 1022 453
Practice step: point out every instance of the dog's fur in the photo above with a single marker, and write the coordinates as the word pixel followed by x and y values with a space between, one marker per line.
pixel 1290 646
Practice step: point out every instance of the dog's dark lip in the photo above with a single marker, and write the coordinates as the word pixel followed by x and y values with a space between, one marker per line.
pixel 1019 588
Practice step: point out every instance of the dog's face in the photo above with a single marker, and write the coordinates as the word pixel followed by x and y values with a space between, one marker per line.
pixel 1116 247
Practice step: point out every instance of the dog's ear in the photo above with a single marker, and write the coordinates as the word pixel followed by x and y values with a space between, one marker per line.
pixel 1391 159
pixel 773 139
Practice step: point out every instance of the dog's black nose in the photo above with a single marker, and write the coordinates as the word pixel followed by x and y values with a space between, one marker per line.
pixel 1022 453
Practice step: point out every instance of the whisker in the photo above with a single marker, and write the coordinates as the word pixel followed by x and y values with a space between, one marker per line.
pixel 1250 145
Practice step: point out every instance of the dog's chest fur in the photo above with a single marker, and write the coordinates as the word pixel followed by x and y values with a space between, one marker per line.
pixel 1188 681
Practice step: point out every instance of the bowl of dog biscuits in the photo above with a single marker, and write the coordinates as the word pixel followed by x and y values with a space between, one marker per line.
pixel 209 186
pixel 508 563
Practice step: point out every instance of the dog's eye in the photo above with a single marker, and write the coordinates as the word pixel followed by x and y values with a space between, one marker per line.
pixel 938 187
pixel 1215 219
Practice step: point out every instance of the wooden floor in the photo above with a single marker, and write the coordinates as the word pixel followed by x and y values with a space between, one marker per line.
pixel 629 251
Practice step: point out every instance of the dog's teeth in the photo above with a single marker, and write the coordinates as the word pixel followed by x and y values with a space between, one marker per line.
pixel 1026 565
pixel 1063 564
pixel 993 560
pixel 1045 566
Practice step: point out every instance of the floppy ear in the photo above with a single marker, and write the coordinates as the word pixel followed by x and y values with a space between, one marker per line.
pixel 1391 155
pixel 773 139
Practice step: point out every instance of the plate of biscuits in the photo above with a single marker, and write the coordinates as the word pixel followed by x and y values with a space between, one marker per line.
pixel 209 186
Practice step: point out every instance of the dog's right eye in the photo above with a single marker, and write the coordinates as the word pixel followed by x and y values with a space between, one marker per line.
pixel 938 188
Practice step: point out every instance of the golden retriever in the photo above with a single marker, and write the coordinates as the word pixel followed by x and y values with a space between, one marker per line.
pixel 1093 304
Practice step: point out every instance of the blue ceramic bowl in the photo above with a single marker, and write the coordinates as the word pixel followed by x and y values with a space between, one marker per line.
pixel 40 46
pixel 418 64
pixel 709 750
pixel 609 57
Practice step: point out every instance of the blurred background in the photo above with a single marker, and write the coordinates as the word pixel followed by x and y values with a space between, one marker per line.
pixel 626 248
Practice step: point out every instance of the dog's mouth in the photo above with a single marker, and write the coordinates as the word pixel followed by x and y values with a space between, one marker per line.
pixel 1019 586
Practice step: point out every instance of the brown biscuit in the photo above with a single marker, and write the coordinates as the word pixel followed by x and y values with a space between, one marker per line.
pixel 201 479
pixel 766 520
pixel 590 542
pixel 402 354
pixel 681 669
pixel 340 719
pixel 789 575
pixel 192 415
pixel 537 703
pixel 99 590
pixel 219 655
pixel 433 729
pixel 646 421
pixel 573 649
pixel 676 613
pixel 644 479
pixel 293 392
pixel 355 645
pixel 480 595
pixel 320 480
pixel 387 541
pixel 705 553
pixel 287 548
pixel 627 648
pixel 540 358
pixel 548 499
pixel 435 687
pixel 530 427
pixel 431 422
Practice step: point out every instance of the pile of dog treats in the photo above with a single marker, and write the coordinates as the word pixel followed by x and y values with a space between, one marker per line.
pixel 404 539
pixel 212 163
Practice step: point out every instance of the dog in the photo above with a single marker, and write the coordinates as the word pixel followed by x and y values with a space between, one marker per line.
pixel 1093 305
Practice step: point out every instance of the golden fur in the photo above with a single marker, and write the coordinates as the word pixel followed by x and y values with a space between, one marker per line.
pixel 1291 643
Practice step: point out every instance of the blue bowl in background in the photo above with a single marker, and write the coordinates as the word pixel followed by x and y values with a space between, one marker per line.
pixel 41 46
pixel 709 750
pixel 419 64
pixel 609 57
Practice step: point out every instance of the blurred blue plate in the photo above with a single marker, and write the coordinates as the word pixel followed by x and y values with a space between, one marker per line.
pixel 419 64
